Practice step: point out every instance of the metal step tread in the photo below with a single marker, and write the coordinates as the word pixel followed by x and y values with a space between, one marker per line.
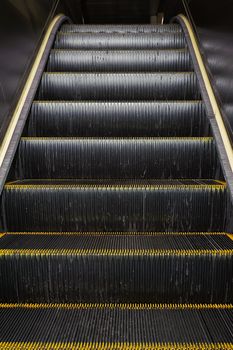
pixel 134 60
pixel 120 327
pixel 117 158
pixel 119 119
pixel 119 86
pixel 116 244
pixel 119 28
pixel 114 41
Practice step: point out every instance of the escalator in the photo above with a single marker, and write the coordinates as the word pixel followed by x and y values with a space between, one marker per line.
pixel 116 211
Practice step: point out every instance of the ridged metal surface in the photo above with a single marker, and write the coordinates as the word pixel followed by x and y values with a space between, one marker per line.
pixel 117 269
pixel 117 158
pixel 118 86
pixel 133 28
pixel 126 328
pixel 117 244
pixel 117 119
pixel 119 61
pixel 75 257
pixel 114 206
pixel 116 41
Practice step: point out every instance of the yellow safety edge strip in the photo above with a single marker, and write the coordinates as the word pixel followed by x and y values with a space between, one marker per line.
pixel 115 252
pixel 114 346
pixel 113 187
pixel 126 306
pixel 122 73
pixel 117 139
pixel 118 233
pixel 14 120
pixel 209 89
pixel 78 102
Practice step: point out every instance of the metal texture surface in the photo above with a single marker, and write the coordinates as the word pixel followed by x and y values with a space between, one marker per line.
pixel 139 158
pixel 119 28
pixel 117 119
pixel 115 205
pixel 119 86
pixel 119 61
pixel 116 268
pixel 118 327
pixel 129 41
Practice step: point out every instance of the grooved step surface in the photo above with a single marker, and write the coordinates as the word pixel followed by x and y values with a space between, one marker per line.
pixel 119 28
pixel 119 86
pixel 112 327
pixel 117 158
pixel 116 268
pixel 119 119
pixel 120 41
pixel 113 243
pixel 119 61
pixel 111 206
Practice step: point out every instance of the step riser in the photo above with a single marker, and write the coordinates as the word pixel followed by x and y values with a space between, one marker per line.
pixel 123 119
pixel 128 86
pixel 139 279
pixel 114 209
pixel 142 159
pixel 117 41
pixel 130 28
pixel 112 61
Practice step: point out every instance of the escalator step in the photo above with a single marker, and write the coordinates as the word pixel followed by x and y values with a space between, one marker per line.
pixel 119 28
pixel 116 158
pixel 116 326
pixel 119 86
pixel 118 243
pixel 116 205
pixel 122 119
pixel 119 41
pixel 119 61
pixel 116 268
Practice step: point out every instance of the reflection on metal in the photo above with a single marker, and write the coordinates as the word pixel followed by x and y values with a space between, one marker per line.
pixel 15 117
pixel 160 18
pixel 211 95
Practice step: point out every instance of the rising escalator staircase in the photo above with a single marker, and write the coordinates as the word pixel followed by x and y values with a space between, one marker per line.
pixel 115 212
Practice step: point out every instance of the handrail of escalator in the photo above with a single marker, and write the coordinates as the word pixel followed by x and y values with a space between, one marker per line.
pixel 219 128
pixel 19 116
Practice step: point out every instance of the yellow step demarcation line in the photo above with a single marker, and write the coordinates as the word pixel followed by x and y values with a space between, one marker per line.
pixel 166 50
pixel 117 102
pixel 121 306
pixel 112 187
pixel 110 139
pixel 113 346
pixel 122 233
pixel 191 73
pixel 117 252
